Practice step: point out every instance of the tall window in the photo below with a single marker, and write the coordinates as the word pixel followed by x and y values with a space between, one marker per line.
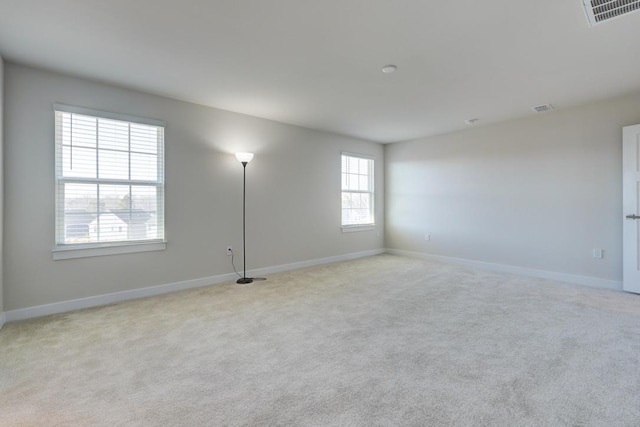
pixel 109 178
pixel 357 190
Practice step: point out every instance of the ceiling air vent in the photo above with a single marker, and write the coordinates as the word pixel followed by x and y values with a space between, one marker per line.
pixel 603 10
pixel 542 108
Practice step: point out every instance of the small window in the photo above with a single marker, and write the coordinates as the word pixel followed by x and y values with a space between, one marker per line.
pixel 357 191
pixel 109 179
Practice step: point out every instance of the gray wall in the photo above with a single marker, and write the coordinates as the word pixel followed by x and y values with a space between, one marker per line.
pixel 540 192
pixel 1 184
pixel 293 192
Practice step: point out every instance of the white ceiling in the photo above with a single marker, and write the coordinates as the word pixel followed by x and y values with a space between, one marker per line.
pixel 317 63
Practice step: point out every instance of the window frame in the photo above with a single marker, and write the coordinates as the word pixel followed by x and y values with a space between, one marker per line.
pixel 62 250
pixel 369 226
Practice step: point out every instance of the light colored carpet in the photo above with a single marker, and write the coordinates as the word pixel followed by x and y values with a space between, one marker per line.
pixel 384 340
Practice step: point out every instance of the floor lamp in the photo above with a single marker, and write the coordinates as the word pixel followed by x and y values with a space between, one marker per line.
pixel 244 158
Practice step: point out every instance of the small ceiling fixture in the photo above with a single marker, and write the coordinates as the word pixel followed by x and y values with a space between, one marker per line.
pixel 472 121
pixel 542 108
pixel 389 68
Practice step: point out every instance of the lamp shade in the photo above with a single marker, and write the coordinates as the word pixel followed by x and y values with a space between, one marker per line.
pixel 244 157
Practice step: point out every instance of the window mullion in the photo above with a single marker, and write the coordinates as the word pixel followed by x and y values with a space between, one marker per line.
pixel 97 151
pixel 98 210
pixel 71 142
pixel 129 175
pixel 60 223
pixel 110 182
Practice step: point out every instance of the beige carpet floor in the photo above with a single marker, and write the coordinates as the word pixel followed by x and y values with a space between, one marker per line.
pixel 384 340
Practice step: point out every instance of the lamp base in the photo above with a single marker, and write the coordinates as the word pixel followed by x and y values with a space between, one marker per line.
pixel 244 280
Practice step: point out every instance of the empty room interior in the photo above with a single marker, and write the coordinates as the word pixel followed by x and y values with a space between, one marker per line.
pixel 344 213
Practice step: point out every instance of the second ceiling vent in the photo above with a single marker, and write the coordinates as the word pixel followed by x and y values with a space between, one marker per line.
pixel 599 11
pixel 542 108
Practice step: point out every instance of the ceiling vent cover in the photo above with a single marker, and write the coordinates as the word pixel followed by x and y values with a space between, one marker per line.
pixel 542 108
pixel 603 10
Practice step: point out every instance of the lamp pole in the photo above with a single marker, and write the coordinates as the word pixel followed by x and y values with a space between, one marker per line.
pixel 244 158
pixel 244 279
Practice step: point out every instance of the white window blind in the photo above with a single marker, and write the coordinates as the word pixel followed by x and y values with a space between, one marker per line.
pixel 357 190
pixel 109 178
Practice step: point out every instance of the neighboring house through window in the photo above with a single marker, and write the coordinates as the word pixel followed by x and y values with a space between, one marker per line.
pixel 357 191
pixel 109 179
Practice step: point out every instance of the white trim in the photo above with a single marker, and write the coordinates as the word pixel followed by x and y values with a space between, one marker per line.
pixel 62 241
pixel 360 155
pixel 588 11
pixel 3 319
pixel 72 252
pixel 314 262
pixel 108 115
pixel 76 180
pixel 76 304
pixel 371 192
pixel 593 282
pixel 64 306
pixel 355 228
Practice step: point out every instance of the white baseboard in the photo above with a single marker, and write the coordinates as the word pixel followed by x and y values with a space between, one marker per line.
pixel 65 306
pixel 314 262
pixel 3 319
pixel 523 271
pixel 76 304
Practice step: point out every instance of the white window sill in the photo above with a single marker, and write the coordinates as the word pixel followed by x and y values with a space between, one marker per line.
pixel 84 251
pixel 355 228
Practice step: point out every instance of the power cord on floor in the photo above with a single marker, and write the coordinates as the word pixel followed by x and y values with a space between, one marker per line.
pixel 234 266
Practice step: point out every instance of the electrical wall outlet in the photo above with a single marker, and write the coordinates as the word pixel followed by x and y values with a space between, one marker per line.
pixel 229 251
pixel 598 253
